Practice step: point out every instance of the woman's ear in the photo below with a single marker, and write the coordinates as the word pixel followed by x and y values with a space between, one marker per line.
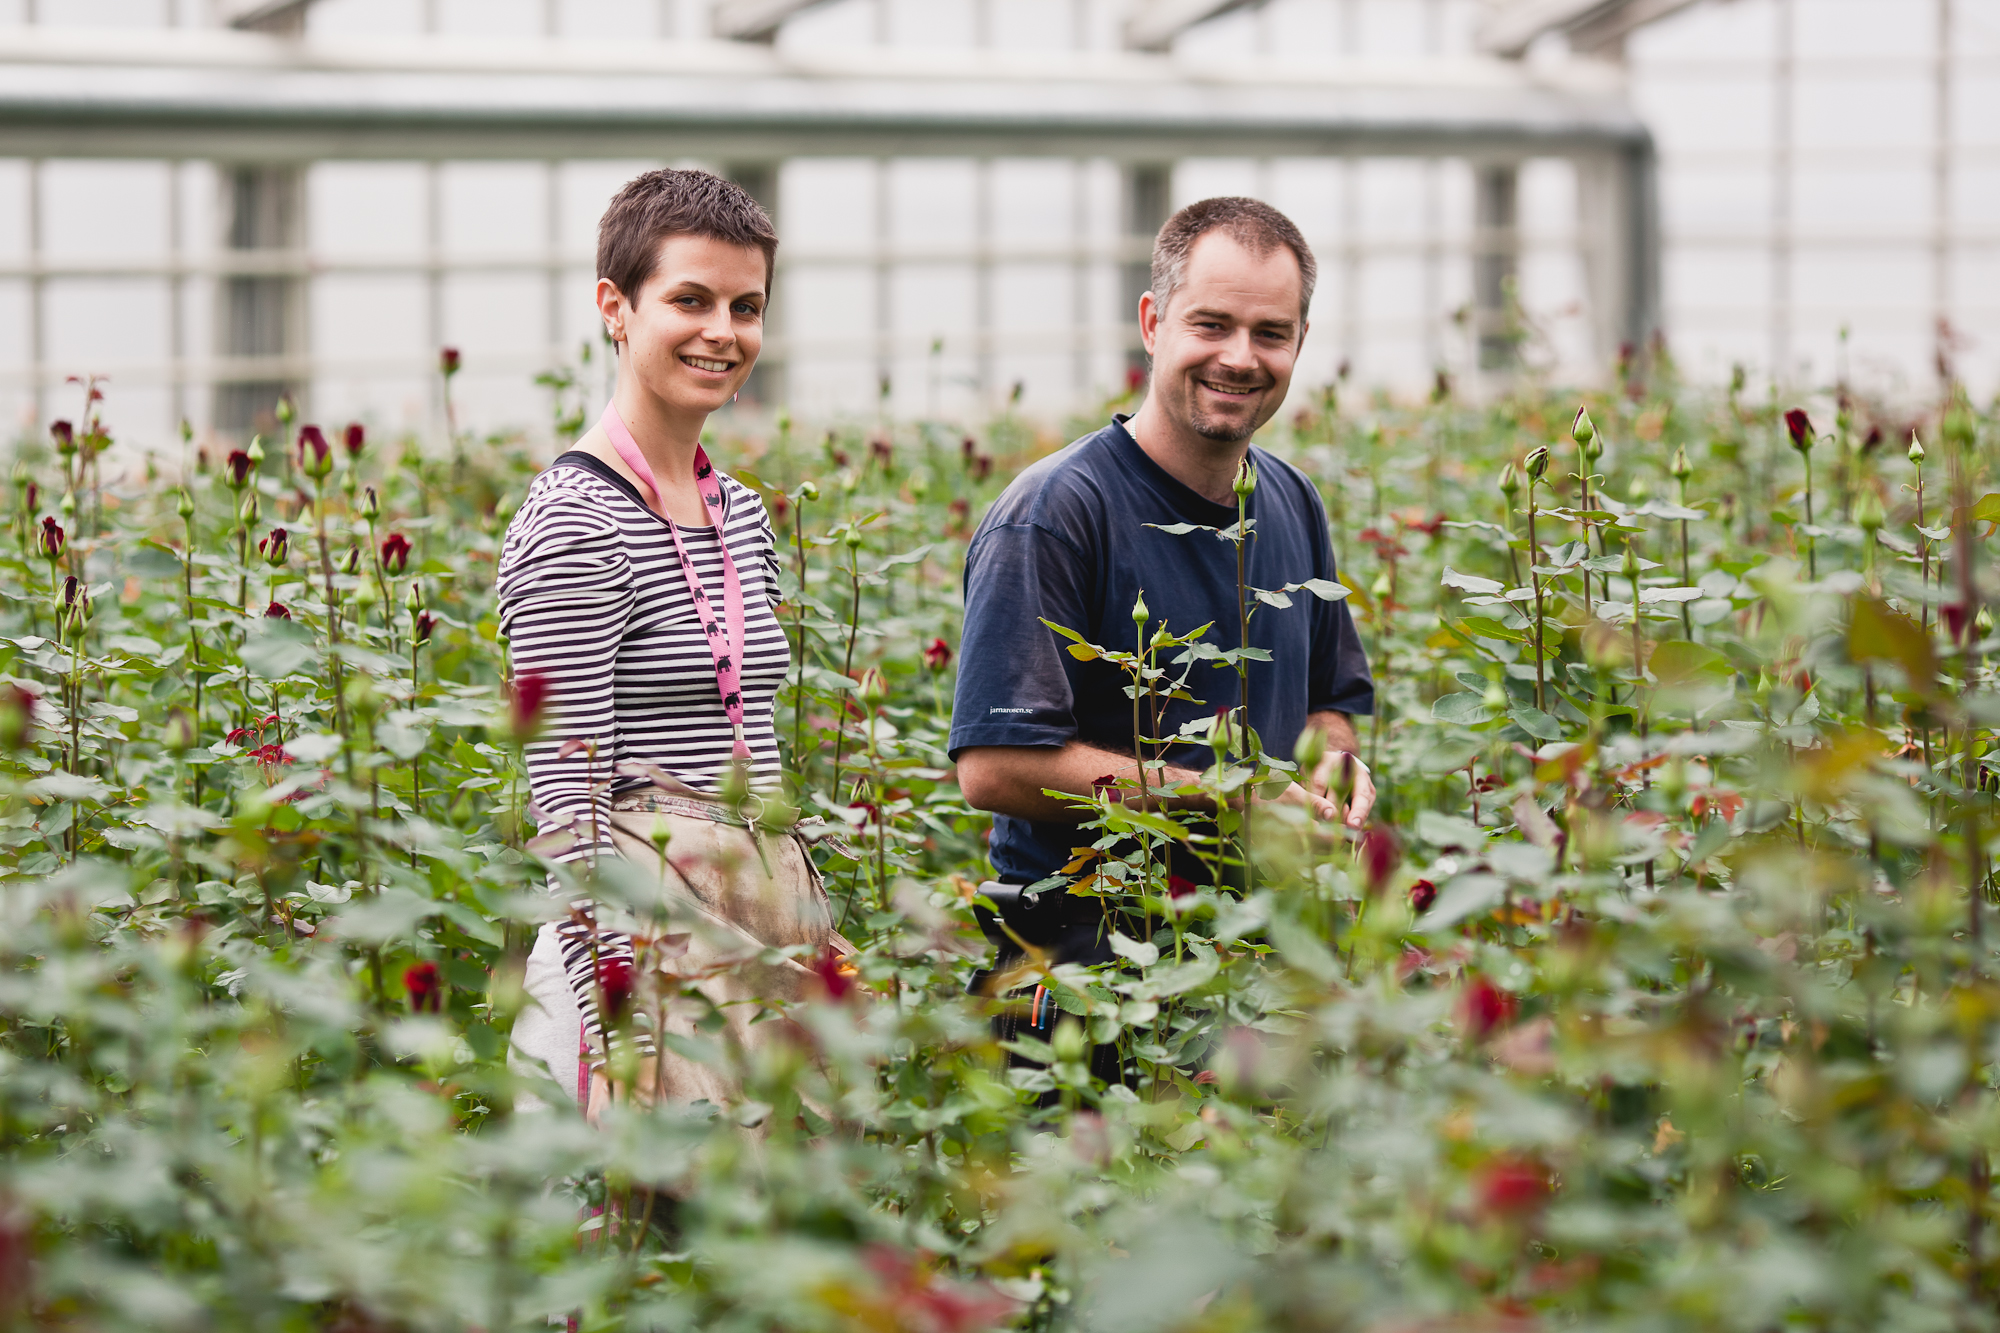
pixel 611 308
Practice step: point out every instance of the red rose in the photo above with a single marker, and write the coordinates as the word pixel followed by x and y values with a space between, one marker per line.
pixel 1483 1008
pixel 426 988
pixel 526 702
pixel 1422 894
pixel 938 655
pixel 1511 1187
pixel 614 978
pixel 395 553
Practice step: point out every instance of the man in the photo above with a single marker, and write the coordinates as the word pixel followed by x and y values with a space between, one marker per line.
pixel 1069 543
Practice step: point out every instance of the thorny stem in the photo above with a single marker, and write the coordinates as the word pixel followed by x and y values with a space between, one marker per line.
pixel 847 665
pixel 799 625
pixel 1534 559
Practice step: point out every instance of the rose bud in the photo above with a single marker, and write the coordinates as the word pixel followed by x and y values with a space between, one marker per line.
pixel 355 438
pixel 256 451
pixel 246 513
pixel 315 458
pixel 179 733
pixel 448 362
pixel 1422 894
pixel 286 412
pixel 614 979
pixel 1536 463
pixel 65 437
pixel 982 467
pixel 184 506
pixel 1308 750
pixel 276 547
pixel 1799 426
pixel 351 562
pixel 938 656
pixel 277 611
pixel 1868 512
pixel 1583 430
pixel 1245 484
pixel 425 987
pixel 426 625
pixel 1483 1008
pixel 395 553
pixel 1916 449
pixel 31 497
pixel 1380 854
pixel 526 702
pixel 1510 482
pixel 51 540
pixel 371 507
pixel 874 689
pixel 17 716
pixel 414 602
pixel 1680 469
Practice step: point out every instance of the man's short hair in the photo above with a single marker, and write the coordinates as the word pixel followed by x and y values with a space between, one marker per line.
pixel 1251 223
pixel 674 202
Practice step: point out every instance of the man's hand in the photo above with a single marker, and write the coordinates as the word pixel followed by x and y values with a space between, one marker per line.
pixel 1342 762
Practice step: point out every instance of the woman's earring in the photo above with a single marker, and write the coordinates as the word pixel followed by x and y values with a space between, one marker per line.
pixel 734 396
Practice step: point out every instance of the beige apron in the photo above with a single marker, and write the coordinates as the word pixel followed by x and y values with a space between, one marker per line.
pixel 731 894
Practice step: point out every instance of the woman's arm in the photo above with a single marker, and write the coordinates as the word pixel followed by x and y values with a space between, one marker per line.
pixel 566 595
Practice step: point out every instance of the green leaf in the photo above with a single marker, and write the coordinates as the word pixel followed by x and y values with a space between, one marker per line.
pixel 1276 599
pixel 1083 652
pixel 277 648
pixel 1987 510
pixel 1487 628
pixel 1878 632
pixel 1678 662
pixel 1536 723
pixel 1144 955
pixel 1324 589
pixel 1464 708
pixel 1180 529
pixel 1470 582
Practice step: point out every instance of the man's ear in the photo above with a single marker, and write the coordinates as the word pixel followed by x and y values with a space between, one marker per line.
pixel 1149 320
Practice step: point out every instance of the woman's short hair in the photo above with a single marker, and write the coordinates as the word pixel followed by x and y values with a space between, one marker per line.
pixel 677 202
pixel 1251 223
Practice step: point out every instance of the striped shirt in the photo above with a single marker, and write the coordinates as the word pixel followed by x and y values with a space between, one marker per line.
pixel 592 595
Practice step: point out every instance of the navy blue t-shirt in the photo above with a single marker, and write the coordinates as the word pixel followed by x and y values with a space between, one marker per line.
pixel 1068 542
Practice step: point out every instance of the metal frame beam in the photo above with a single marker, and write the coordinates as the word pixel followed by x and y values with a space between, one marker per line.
pixel 1594 27
pixel 756 20
pixel 248 97
pixel 1154 24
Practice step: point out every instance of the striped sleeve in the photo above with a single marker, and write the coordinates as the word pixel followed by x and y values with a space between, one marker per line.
pixel 566 594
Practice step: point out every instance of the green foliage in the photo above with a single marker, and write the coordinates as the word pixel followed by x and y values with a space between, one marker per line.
pixel 1662 996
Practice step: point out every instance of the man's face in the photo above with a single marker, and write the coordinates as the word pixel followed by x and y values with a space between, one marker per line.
pixel 1224 348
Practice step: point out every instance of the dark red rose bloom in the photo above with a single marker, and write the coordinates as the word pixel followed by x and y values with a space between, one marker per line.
pixel 65 435
pixel 527 700
pixel 834 974
pixel 1510 1187
pixel 239 466
pixel 1799 426
pixel 1104 786
pixel 51 540
pixel 1422 894
pixel 426 988
pixel 355 438
pixel 426 626
pixel 395 553
pixel 1952 613
pixel 1483 1008
pixel 982 467
pixel 1177 887
pixel 614 978
pixel 869 813
pixel 1380 855
pixel 277 611
pixel 938 655
pixel 448 362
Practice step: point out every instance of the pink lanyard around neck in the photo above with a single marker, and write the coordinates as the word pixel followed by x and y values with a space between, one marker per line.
pixel 725 647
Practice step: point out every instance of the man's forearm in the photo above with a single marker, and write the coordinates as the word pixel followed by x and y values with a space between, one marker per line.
pixel 1015 780
pixel 1338 728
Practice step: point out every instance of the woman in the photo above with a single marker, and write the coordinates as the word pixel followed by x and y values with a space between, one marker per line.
pixel 641 582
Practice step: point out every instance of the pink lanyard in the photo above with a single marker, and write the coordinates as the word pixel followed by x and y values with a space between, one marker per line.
pixel 725 648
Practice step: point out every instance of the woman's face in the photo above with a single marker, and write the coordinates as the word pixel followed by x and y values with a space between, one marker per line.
pixel 696 326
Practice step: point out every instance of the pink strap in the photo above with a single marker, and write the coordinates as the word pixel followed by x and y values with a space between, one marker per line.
pixel 725 647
